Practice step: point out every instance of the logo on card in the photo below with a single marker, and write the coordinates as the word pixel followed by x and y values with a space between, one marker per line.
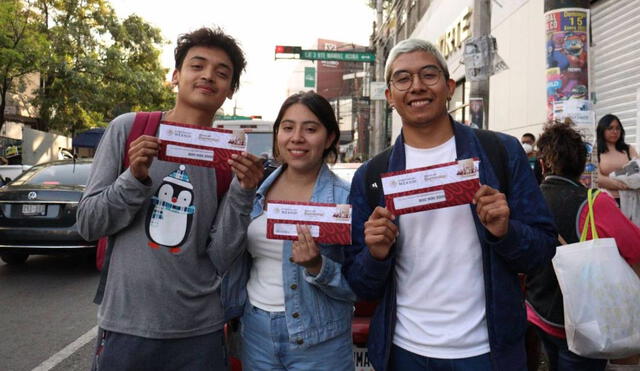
pixel 237 139
pixel 177 133
pixel 467 168
pixel 430 177
pixel 206 137
pixel 285 211
pixel 343 211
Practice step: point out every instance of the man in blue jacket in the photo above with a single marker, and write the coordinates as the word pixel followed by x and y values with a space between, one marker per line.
pixel 446 279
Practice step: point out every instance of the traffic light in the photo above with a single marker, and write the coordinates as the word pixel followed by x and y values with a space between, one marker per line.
pixel 281 49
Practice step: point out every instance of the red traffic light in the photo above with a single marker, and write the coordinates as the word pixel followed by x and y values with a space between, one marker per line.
pixel 282 49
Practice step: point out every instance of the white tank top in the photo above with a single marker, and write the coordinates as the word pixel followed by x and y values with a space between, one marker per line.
pixel 265 280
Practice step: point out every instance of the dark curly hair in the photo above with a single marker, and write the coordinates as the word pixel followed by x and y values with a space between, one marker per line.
pixel 320 107
pixel 212 38
pixel 603 125
pixel 563 150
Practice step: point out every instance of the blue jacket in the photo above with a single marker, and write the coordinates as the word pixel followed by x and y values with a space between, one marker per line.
pixel 324 303
pixel 529 244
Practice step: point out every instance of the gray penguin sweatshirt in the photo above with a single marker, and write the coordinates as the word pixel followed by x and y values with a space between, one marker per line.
pixel 171 241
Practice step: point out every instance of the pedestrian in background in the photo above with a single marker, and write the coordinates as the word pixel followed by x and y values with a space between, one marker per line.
pixel 160 308
pixel 294 302
pixel 446 279
pixel 613 154
pixel 563 155
pixel 528 141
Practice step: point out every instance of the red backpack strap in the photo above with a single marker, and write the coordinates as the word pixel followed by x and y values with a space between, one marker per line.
pixel 152 123
pixel 145 123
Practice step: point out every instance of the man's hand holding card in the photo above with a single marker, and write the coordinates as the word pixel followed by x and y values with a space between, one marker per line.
pixel 445 185
pixel 432 187
pixel 197 145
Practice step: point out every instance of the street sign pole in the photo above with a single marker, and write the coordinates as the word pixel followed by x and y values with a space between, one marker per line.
pixel 378 132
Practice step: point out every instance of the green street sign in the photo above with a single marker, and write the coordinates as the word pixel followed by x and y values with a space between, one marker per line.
pixel 327 55
pixel 309 77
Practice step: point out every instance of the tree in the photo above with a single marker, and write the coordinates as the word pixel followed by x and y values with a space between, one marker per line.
pixel 97 66
pixel 92 66
pixel 22 48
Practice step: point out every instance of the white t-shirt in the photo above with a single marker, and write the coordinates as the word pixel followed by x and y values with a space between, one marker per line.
pixel 440 284
pixel 265 280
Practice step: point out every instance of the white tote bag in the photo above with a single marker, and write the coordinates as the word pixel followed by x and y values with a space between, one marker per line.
pixel 601 296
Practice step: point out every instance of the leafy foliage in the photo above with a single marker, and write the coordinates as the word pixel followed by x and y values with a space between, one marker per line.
pixel 93 65
pixel 22 48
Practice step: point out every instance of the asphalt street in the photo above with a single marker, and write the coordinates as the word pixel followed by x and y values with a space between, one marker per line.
pixel 46 306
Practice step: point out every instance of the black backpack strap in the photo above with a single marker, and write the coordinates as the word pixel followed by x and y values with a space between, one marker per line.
pixel 378 165
pixel 494 148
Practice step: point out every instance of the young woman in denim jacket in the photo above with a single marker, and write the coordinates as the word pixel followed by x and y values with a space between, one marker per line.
pixel 294 303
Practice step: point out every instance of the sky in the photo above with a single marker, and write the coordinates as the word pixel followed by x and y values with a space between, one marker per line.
pixel 259 26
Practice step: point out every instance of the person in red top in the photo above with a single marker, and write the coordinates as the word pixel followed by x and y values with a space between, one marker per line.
pixel 563 154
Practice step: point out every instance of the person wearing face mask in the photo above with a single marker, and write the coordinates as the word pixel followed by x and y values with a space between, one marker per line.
pixel 528 142
pixel 294 304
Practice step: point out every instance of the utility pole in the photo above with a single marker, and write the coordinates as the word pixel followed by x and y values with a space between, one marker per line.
pixel 560 27
pixel 378 135
pixel 481 26
pixel 567 54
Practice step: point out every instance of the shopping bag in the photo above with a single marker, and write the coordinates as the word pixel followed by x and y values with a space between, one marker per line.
pixel 601 296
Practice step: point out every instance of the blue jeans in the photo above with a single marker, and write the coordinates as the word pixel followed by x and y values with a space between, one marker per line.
pixel 404 360
pixel 266 346
pixel 562 359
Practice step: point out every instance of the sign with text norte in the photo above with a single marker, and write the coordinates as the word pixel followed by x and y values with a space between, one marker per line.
pixel 325 55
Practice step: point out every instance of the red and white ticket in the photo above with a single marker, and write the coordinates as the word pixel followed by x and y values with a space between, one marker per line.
pixel 431 187
pixel 328 223
pixel 197 145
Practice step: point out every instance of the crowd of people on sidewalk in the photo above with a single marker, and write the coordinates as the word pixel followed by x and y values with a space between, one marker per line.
pixel 446 280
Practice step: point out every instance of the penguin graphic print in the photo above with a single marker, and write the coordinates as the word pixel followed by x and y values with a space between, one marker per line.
pixel 170 214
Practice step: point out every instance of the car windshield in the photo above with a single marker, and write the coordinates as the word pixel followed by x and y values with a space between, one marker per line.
pixel 56 174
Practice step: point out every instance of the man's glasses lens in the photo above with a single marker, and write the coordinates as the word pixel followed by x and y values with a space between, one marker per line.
pixel 428 76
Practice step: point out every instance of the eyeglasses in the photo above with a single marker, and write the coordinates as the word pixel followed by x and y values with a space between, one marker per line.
pixel 614 128
pixel 428 75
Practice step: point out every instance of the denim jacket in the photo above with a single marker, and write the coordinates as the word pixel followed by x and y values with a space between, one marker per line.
pixel 528 245
pixel 317 308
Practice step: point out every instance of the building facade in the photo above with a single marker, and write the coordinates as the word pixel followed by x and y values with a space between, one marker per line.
pixel 518 99
pixel 344 85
